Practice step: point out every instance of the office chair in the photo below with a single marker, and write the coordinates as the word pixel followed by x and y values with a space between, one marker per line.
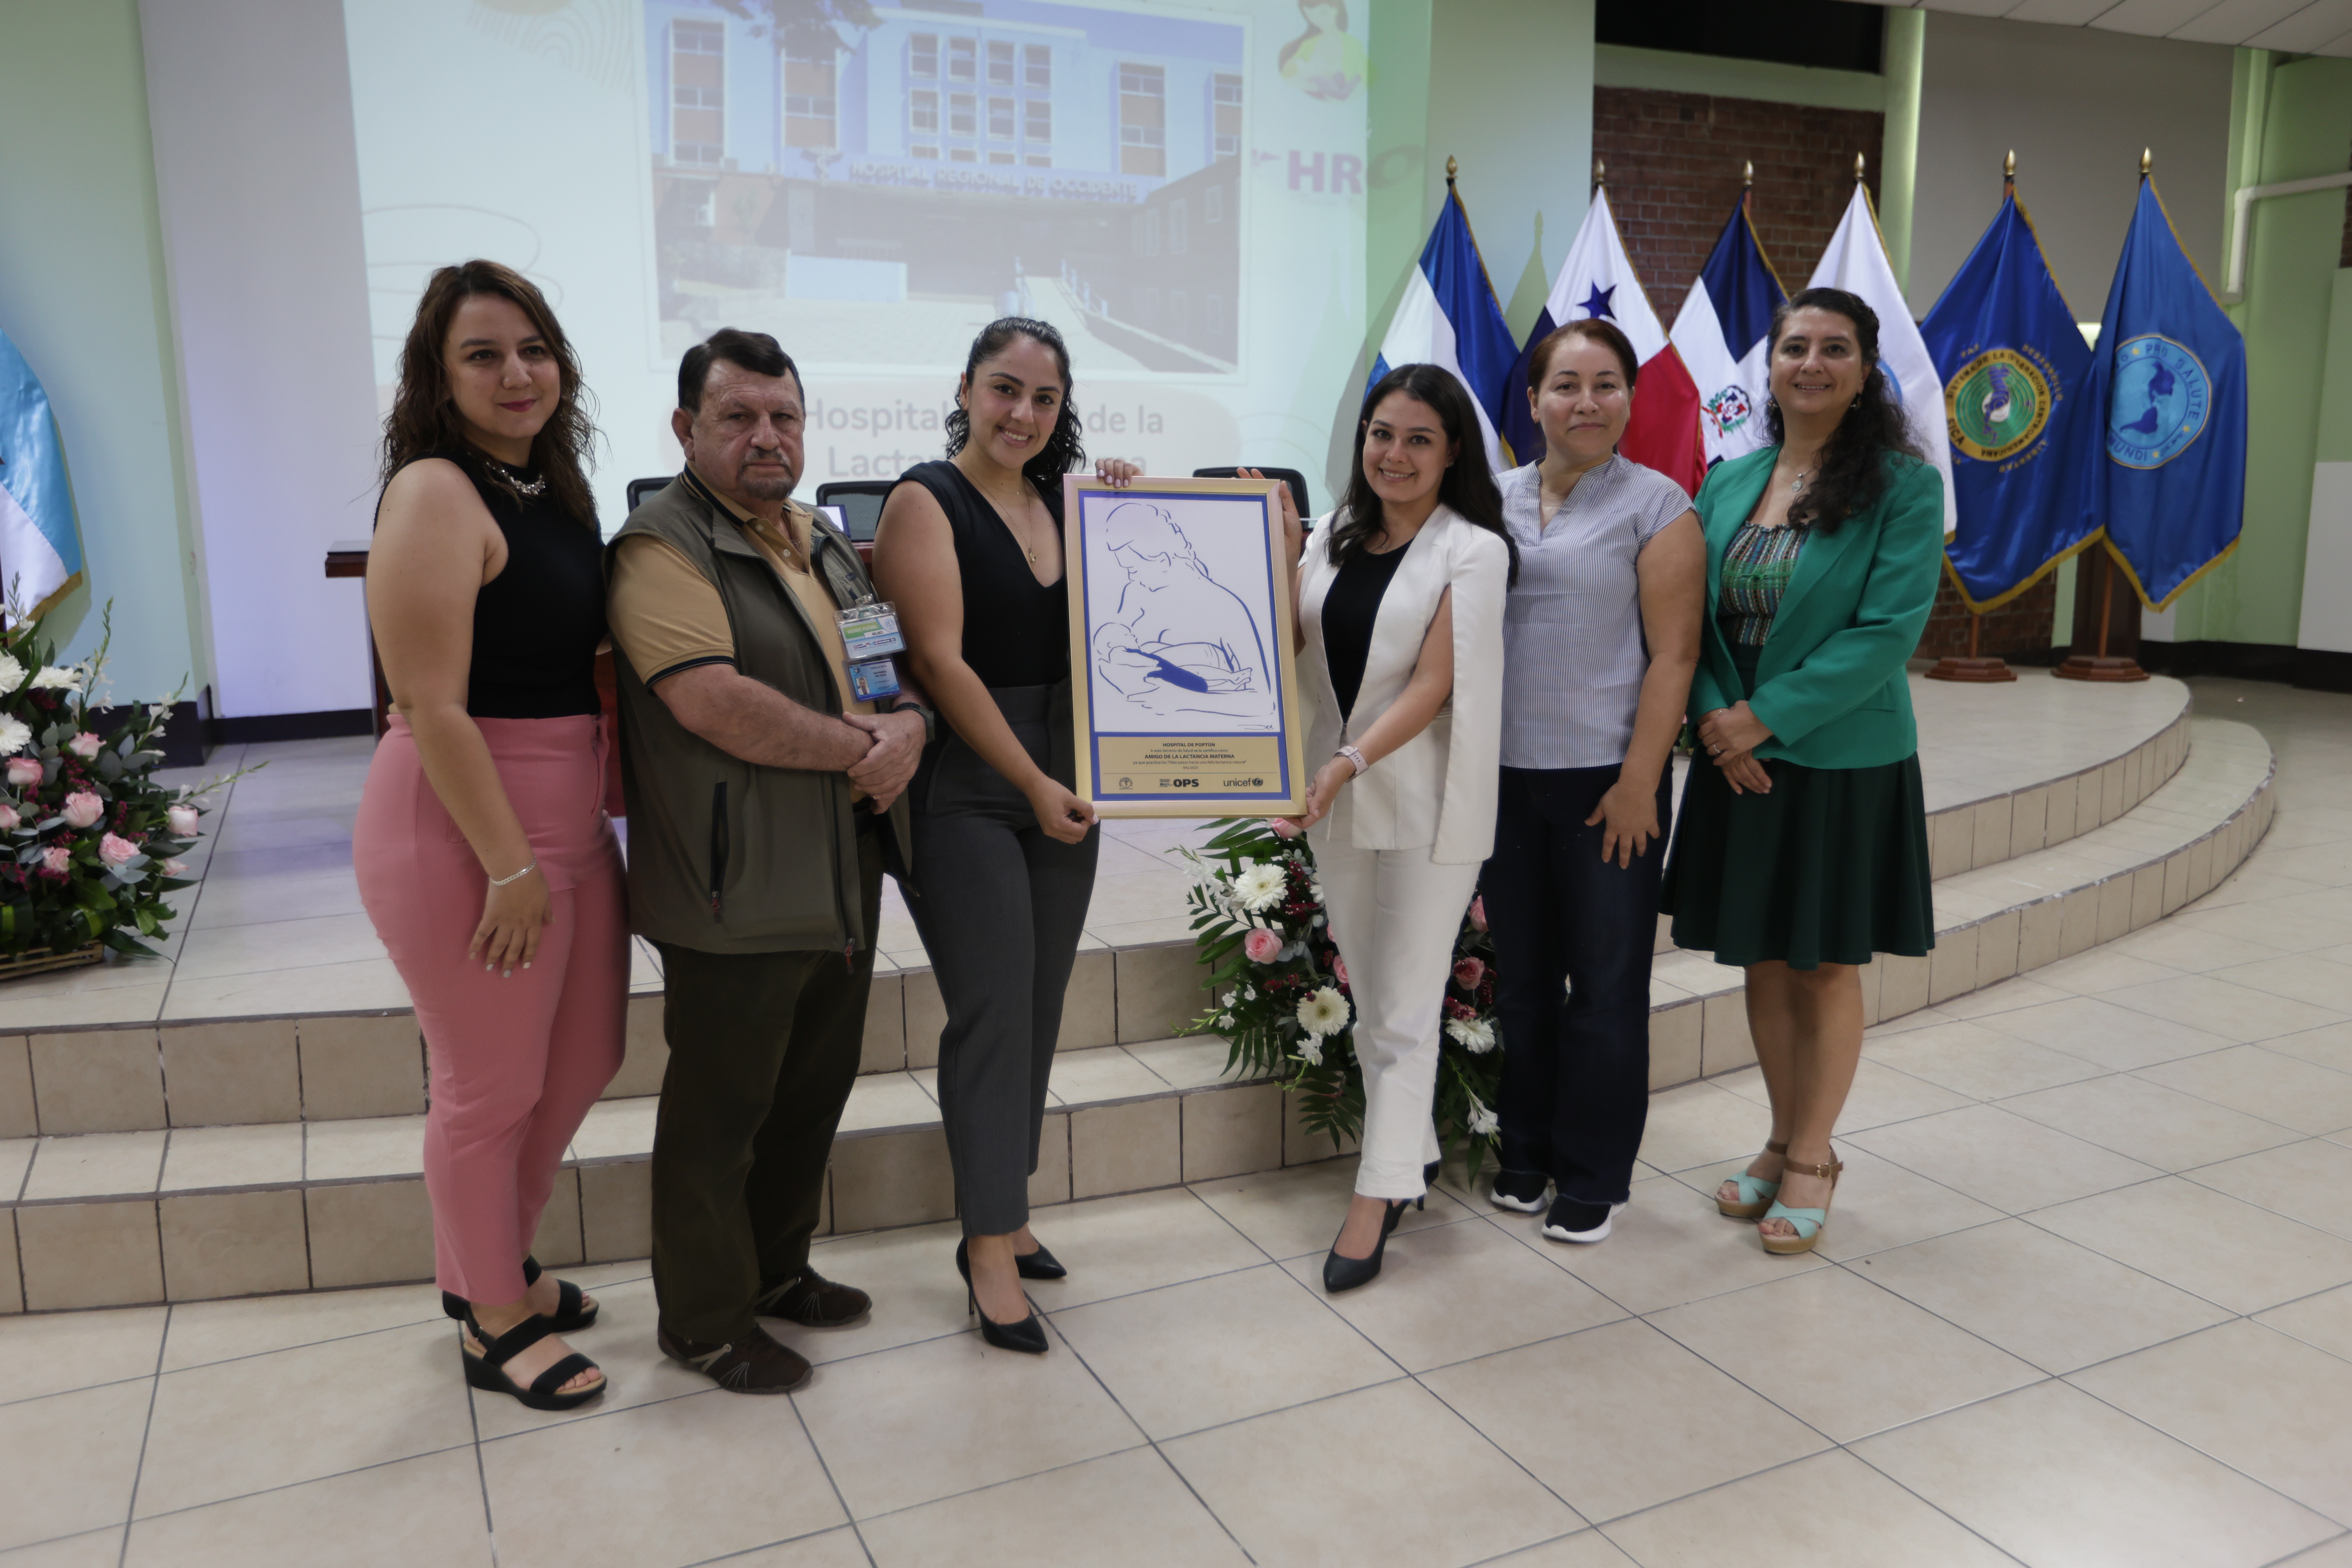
pixel 860 501
pixel 640 489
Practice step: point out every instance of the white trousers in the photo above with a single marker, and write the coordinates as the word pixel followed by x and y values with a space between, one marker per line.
pixel 1394 914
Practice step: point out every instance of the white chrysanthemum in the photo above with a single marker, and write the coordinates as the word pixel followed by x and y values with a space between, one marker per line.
pixel 53 678
pixel 14 735
pixel 1310 1051
pixel 12 674
pixel 1258 887
pixel 1483 1121
pixel 1476 1036
pixel 1324 1013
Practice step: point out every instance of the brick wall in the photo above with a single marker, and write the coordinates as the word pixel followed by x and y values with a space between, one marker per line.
pixel 2019 629
pixel 1674 163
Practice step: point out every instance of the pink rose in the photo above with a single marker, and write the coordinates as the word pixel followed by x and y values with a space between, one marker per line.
pixel 1261 945
pixel 23 770
pixel 1478 912
pixel 56 860
pixel 84 745
pixel 1468 971
pixel 8 817
pixel 1338 969
pixel 82 807
pixel 183 819
pixel 117 852
pixel 176 868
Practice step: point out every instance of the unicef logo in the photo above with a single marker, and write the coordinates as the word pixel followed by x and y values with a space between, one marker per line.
pixel 1997 405
pixel 2161 398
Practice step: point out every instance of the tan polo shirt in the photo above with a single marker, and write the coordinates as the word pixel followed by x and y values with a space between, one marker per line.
pixel 666 616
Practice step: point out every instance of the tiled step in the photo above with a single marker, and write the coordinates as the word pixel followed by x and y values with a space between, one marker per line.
pixel 2008 771
pixel 189 1213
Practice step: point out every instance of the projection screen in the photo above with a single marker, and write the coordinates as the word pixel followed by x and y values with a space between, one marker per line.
pixel 1179 189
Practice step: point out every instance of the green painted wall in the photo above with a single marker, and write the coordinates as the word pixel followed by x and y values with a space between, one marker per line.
pixel 2334 435
pixel 2294 121
pixel 82 293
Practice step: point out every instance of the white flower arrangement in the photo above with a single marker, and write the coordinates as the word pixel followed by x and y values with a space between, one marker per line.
pixel 14 735
pixel 1476 1036
pixel 1310 1051
pixel 1483 1121
pixel 12 674
pixel 56 678
pixel 1323 1011
pixel 1258 888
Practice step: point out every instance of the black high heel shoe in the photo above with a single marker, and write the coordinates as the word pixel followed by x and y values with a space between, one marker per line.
pixel 1347 1273
pixel 570 1318
pixel 1040 1264
pixel 1027 1336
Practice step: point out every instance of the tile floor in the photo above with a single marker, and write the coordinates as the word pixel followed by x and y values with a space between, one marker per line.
pixel 277 927
pixel 2086 1301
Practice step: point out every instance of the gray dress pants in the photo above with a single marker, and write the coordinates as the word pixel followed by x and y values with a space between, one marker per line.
pixel 1001 907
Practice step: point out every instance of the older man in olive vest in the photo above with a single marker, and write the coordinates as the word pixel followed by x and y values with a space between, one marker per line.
pixel 761 791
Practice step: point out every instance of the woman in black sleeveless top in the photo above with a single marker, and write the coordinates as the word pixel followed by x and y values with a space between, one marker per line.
pixel 483 853
pixel 970 551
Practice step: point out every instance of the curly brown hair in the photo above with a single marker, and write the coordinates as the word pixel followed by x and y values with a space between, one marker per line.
pixel 424 419
pixel 1853 461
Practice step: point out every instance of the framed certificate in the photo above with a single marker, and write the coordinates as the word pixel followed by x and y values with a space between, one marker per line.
pixel 1183 683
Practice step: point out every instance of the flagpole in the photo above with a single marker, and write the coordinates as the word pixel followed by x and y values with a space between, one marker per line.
pixel 2100 665
pixel 1974 668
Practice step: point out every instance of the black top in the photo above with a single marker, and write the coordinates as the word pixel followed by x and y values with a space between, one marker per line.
pixel 1015 632
pixel 538 622
pixel 1350 608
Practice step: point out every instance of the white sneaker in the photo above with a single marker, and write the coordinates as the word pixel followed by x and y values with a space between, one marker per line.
pixel 1566 1214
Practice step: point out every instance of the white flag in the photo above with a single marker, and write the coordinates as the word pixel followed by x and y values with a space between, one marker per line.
pixel 1857 262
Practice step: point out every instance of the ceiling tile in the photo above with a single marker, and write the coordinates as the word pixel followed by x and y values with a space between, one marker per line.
pixel 2235 21
pixel 2321 22
pixel 2151 18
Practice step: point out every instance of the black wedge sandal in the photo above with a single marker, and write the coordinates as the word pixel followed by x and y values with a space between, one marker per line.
pixel 486 1369
pixel 570 1318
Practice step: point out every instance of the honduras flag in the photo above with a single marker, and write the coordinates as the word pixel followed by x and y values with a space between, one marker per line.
pixel 1449 317
pixel 2167 385
pixel 2013 363
pixel 1857 262
pixel 1597 280
pixel 1721 333
pixel 40 547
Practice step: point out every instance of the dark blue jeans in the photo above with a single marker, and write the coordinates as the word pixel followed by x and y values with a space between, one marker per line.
pixel 1573 934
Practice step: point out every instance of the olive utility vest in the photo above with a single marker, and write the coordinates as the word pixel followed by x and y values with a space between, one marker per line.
pixel 727 856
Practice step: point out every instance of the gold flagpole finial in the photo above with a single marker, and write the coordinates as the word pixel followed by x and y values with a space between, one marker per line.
pixel 1747 174
pixel 1452 168
pixel 1857 168
pixel 2147 157
pixel 2008 166
pixel 1600 172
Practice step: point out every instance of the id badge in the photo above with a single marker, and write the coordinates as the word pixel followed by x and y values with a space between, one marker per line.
pixel 873 680
pixel 870 631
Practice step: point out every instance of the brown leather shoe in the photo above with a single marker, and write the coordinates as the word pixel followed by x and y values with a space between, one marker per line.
pixel 752 1364
pixel 813 1301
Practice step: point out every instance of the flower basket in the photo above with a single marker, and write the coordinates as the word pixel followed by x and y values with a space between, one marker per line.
pixel 1282 998
pixel 88 841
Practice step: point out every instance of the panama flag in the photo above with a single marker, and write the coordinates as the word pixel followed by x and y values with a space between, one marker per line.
pixel 1857 262
pixel 40 547
pixel 1598 280
pixel 1449 317
pixel 1721 333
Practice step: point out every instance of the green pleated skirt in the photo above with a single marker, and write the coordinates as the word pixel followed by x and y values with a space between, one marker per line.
pixel 1829 868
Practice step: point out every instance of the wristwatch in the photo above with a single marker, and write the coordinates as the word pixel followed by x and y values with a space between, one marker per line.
pixel 930 719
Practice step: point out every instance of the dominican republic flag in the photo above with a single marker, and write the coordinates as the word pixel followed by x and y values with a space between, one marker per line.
pixel 1598 280
pixel 1857 262
pixel 1449 317
pixel 40 547
pixel 1726 319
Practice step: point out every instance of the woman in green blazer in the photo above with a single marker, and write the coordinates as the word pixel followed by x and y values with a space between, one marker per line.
pixel 1802 845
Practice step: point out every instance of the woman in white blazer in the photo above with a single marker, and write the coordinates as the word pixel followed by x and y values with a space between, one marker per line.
pixel 1400 622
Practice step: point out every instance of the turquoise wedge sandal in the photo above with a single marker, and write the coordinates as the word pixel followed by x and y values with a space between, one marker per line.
pixel 1808 1223
pixel 1755 1194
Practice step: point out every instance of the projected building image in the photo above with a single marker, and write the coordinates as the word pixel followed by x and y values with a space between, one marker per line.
pixel 873 193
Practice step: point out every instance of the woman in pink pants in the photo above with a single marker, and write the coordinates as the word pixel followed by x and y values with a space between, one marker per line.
pixel 483 852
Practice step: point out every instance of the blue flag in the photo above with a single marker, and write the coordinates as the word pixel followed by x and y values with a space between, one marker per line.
pixel 40 547
pixel 1449 317
pixel 2168 383
pixel 2014 367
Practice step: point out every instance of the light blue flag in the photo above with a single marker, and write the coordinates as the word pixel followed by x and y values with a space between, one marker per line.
pixel 2170 377
pixel 1449 316
pixel 40 546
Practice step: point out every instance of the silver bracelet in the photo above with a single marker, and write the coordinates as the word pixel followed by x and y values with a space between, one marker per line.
pixel 1354 756
pixel 518 875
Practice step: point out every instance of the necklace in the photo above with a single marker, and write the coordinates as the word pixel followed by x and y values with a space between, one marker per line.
pixel 1797 485
pixel 1004 515
pixel 515 478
